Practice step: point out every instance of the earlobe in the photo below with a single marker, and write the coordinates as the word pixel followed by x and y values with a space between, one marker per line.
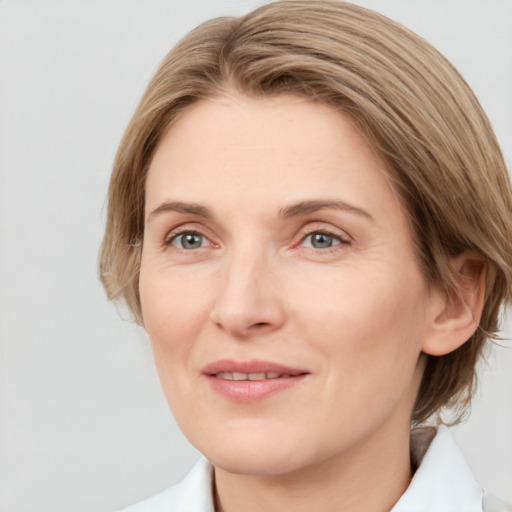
pixel 456 314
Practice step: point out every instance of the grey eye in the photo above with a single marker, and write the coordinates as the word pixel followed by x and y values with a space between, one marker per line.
pixel 188 241
pixel 319 240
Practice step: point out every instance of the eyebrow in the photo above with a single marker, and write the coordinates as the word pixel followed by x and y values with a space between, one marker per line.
pixel 181 207
pixel 306 207
pixel 293 210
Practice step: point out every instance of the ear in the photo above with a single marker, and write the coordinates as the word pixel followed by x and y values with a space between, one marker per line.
pixel 455 315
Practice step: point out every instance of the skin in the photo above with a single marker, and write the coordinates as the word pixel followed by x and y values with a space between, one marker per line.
pixel 356 316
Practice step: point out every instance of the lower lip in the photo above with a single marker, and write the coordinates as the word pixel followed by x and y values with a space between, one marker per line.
pixel 252 390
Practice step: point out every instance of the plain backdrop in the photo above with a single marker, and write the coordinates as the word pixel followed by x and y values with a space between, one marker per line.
pixel 84 426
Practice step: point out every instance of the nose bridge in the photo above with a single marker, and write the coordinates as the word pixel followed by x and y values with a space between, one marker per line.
pixel 243 265
pixel 247 299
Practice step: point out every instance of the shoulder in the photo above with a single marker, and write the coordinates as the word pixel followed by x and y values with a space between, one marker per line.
pixel 192 494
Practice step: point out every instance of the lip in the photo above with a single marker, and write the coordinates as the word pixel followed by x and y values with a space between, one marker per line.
pixel 251 390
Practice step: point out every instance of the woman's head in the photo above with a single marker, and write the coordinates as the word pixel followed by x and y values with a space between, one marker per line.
pixel 280 287
pixel 416 112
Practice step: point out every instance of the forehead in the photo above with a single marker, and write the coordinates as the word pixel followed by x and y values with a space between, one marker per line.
pixel 267 151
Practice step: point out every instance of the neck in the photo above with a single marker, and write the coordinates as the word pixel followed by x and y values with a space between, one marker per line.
pixel 370 478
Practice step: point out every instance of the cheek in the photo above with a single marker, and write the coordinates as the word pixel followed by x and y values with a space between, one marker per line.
pixel 367 320
pixel 174 311
pixel 369 336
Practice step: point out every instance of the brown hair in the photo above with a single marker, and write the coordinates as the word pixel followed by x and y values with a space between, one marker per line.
pixel 407 99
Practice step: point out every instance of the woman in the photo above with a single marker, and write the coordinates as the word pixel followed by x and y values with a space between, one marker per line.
pixel 310 216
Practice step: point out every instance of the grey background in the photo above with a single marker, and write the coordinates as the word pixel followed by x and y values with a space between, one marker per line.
pixel 83 423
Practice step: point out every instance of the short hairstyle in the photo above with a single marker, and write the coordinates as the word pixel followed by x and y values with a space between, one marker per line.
pixel 409 102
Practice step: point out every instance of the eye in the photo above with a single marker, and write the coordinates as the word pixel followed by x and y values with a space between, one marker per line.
pixel 321 240
pixel 188 240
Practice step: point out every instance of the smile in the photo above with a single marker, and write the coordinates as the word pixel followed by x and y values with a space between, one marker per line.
pixel 250 381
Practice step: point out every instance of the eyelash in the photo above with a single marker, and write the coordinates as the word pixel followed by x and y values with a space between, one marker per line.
pixel 175 235
pixel 341 241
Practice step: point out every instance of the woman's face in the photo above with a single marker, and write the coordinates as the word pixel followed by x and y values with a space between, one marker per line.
pixel 279 285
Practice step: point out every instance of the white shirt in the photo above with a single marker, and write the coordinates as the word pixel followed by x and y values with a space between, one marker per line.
pixel 443 482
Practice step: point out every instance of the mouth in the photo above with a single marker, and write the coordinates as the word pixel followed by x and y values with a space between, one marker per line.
pixel 247 381
pixel 250 376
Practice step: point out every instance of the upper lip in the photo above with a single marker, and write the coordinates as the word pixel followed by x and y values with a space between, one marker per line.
pixel 252 366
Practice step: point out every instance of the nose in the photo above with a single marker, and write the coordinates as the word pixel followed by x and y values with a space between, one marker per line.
pixel 248 301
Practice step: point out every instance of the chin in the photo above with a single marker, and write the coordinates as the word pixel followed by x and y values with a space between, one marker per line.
pixel 256 464
pixel 260 453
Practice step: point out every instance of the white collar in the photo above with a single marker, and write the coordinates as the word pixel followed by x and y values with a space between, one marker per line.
pixel 443 482
pixel 192 494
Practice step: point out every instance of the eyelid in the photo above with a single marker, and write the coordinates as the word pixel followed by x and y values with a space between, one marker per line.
pixel 177 236
pixel 337 238
pixel 183 229
pixel 319 227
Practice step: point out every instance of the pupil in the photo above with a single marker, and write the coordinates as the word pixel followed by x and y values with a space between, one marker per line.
pixel 191 241
pixel 321 241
